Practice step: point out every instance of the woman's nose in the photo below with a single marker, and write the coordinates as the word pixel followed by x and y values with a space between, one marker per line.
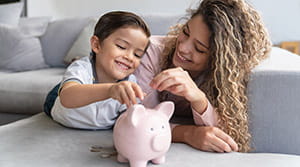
pixel 185 46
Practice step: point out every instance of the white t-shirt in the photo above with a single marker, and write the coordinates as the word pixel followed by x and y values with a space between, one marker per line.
pixel 98 115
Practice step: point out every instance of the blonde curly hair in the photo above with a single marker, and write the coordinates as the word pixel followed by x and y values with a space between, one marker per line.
pixel 238 42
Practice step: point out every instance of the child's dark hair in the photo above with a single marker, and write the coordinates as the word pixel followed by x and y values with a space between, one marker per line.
pixel 111 21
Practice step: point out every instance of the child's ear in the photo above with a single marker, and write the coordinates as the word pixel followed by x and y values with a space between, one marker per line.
pixel 95 44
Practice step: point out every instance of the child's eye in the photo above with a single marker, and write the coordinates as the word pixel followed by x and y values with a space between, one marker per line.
pixel 121 47
pixel 138 56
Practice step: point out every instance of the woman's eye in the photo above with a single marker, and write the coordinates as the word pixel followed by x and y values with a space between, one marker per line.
pixel 121 47
pixel 184 30
pixel 200 51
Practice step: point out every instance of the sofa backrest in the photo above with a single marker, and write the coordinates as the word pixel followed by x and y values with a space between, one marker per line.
pixel 61 34
pixel 59 37
pixel 273 93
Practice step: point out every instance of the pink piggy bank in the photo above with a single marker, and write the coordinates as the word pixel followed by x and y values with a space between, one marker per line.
pixel 141 135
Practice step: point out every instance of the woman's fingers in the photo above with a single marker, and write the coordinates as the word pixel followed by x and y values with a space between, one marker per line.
pixel 214 148
pixel 163 76
pixel 211 139
pixel 221 146
pixel 168 82
pixel 177 89
pixel 227 139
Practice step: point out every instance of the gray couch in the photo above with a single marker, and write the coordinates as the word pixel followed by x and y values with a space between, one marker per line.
pixel 38 141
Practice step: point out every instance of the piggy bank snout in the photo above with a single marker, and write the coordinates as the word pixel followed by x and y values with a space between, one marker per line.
pixel 161 142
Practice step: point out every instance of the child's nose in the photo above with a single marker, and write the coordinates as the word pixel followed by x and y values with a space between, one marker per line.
pixel 129 55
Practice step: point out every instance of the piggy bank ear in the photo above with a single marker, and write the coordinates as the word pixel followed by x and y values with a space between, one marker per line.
pixel 166 107
pixel 135 112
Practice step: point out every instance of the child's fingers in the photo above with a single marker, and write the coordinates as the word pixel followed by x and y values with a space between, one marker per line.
pixel 138 91
pixel 131 94
pixel 124 97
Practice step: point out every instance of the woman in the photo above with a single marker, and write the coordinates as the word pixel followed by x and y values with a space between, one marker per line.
pixel 204 66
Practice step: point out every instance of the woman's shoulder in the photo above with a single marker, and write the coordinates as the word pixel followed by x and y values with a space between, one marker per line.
pixel 154 51
pixel 157 44
pixel 159 40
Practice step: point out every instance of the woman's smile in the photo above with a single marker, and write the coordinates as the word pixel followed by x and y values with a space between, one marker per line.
pixel 182 58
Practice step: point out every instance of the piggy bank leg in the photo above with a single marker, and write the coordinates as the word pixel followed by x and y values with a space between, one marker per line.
pixel 138 163
pixel 121 158
pixel 159 160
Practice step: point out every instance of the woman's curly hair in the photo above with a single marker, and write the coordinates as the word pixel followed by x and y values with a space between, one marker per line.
pixel 238 42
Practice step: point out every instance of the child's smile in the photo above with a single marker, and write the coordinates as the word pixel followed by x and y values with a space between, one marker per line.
pixel 122 65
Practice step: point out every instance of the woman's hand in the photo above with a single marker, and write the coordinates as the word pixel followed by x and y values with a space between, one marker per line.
pixel 126 92
pixel 204 138
pixel 178 82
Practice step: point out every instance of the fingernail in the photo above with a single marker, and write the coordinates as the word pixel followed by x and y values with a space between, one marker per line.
pixel 152 85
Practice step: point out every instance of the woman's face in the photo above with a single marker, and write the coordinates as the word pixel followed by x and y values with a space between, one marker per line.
pixel 192 47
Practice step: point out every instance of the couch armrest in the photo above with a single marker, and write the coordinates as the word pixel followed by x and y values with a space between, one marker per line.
pixel 274 104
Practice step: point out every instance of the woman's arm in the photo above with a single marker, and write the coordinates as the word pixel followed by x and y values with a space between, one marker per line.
pixel 206 138
pixel 74 94
pixel 178 82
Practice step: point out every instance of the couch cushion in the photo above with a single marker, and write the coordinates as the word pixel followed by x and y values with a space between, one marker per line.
pixel 38 141
pixel 34 26
pixel 81 47
pixel 10 13
pixel 160 24
pixel 59 38
pixel 280 60
pixel 25 92
pixel 274 104
pixel 19 51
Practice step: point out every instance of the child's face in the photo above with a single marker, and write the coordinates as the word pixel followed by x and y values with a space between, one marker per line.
pixel 120 53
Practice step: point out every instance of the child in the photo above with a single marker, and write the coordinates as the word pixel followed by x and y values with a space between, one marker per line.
pixel 95 89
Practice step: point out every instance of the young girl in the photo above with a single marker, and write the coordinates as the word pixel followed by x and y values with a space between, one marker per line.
pixel 95 89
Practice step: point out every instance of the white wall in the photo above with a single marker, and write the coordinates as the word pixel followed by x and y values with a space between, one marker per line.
pixel 69 8
pixel 281 16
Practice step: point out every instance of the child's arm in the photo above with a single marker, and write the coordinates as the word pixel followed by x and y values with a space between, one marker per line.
pixel 74 94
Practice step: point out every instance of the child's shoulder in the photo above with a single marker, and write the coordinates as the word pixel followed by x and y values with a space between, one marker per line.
pixel 83 61
pixel 132 78
pixel 82 64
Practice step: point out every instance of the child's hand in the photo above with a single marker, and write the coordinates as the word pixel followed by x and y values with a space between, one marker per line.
pixel 126 92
